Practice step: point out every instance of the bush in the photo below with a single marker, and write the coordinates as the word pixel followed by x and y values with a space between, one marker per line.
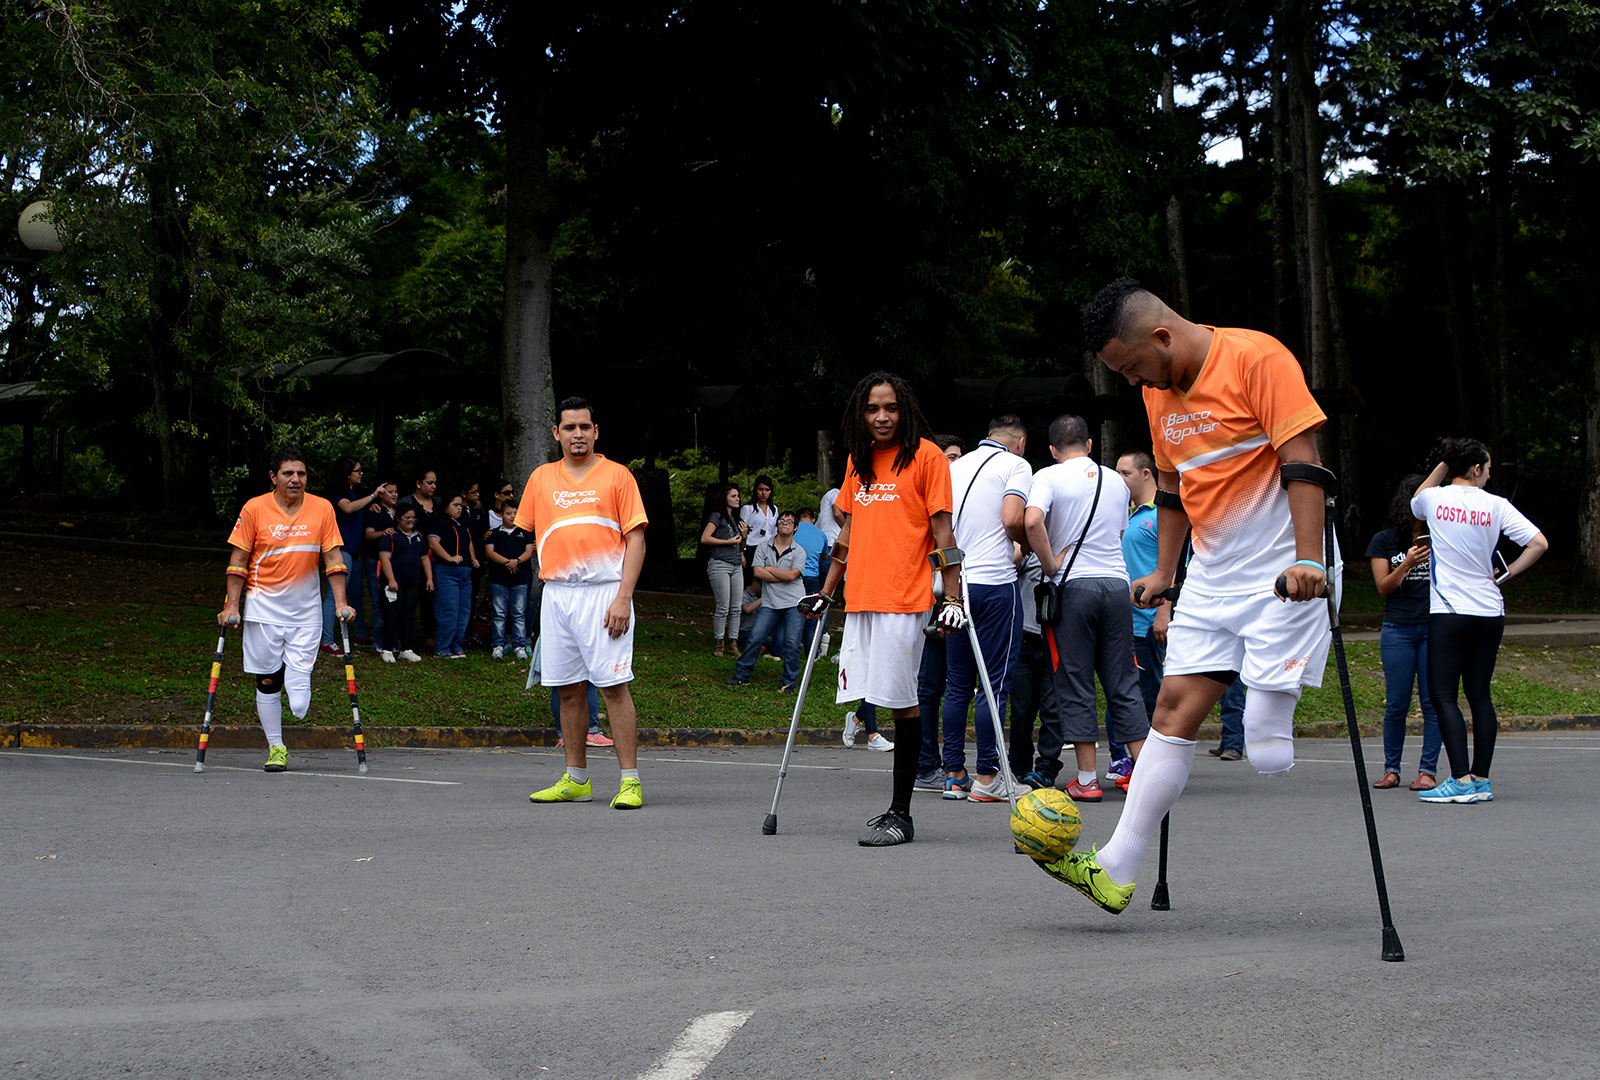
pixel 691 474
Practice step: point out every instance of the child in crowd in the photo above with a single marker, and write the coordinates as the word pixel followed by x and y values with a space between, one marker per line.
pixel 407 574
pixel 510 553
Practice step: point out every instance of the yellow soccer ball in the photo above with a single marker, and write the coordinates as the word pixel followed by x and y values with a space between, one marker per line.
pixel 1046 824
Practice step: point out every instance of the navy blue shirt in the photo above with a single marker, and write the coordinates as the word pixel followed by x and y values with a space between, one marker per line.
pixel 454 537
pixel 1409 602
pixel 508 544
pixel 405 556
pixel 375 516
pixel 350 534
pixel 476 519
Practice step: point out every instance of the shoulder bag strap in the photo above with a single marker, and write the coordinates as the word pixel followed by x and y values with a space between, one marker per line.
pixel 1099 478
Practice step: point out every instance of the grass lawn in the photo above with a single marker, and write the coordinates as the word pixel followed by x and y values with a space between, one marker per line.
pixel 129 641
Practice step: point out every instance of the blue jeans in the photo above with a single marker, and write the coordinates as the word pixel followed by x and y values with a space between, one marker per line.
pixel 452 607
pixel 353 581
pixel 996 613
pixel 594 706
pixel 930 689
pixel 783 625
pixel 1404 649
pixel 809 630
pixel 509 600
pixel 1233 717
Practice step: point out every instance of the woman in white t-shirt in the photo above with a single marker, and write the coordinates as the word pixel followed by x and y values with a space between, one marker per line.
pixel 761 515
pixel 1466 613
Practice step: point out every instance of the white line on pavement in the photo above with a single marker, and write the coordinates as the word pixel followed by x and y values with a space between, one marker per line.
pixel 701 1041
pixel 227 768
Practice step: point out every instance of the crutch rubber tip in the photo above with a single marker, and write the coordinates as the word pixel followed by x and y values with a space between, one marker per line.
pixel 199 766
pixel 1392 952
pixel 362 768
pixel 769 827
pixel 1159 901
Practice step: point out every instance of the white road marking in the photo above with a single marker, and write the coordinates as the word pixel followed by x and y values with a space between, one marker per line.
pixel 661 759
pixel 701 1041
pixel 228 768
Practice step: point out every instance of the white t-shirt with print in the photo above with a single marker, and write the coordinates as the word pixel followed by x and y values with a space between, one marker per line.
pixel 1065 491
pixel 979 484
pixel 1464 525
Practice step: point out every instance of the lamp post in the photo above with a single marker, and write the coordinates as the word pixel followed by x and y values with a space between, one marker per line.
pixel 39 235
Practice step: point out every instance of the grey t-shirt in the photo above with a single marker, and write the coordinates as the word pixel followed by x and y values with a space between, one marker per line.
pixel 782 594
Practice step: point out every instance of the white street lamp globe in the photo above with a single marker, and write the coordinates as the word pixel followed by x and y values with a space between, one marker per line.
pixel 38 232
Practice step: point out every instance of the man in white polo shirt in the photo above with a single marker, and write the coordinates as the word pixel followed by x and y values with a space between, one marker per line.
pixel 990 487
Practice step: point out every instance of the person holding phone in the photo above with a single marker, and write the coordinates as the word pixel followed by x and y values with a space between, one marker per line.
pixel 1467 614
pixel 1400 569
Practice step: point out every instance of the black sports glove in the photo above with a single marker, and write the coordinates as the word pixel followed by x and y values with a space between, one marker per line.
pixel 815 605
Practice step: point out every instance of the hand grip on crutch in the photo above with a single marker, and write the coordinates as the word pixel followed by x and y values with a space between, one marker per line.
pixel 355 705
pixel 813 606
pixel 211 695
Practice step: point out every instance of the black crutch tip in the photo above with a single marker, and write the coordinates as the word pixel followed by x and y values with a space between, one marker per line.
pixel 1159 900
pixel 769 827
pixel 1392 951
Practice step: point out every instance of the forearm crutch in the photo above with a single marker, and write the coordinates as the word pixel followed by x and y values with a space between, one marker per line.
pixel 211 700
pixel 355 705
pixel 770 825
pixel 1392 950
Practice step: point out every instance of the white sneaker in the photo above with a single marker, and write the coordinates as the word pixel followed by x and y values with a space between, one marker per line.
pixel 498 652
pixel 388 657
pixel 878 742
pixel 521 654
pixel 411 656
pixel 995 791
pixel 852 728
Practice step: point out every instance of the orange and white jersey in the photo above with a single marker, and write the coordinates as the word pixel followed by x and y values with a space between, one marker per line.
pixel 580 526
pixel 285 557
pixel 1222 438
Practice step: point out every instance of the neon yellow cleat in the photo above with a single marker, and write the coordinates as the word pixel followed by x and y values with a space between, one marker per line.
pixel 564 790
pixel 277 759
pixel 630 796
pixel 1082 871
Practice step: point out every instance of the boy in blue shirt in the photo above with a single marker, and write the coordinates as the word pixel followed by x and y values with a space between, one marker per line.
pixel 510 552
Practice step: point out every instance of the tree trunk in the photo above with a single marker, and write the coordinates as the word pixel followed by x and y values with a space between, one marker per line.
pixel 1281 212
pixel 526 385
pixel 1450 217
pixel 1588 560
pixel 1176 248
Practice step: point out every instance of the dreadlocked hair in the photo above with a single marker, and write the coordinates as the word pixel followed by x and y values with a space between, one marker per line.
pixel 858 443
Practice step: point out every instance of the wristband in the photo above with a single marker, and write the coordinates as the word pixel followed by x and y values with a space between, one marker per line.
pixel 1311 562
pixel 238 571
pixel 337 568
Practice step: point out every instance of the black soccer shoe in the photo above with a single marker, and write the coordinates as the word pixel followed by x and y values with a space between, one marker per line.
pixel 887 830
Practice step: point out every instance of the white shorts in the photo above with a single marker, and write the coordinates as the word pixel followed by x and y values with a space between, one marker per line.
pixel 880 657
pixel 268 647
pixel 574 645
pixel 1273 645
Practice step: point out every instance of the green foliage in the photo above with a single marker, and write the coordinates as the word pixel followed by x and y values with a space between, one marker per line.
pixel 691 474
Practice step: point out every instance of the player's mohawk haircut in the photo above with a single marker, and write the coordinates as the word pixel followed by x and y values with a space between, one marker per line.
pixel 1107 316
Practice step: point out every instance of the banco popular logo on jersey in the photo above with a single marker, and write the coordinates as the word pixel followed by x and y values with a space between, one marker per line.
pixel 1176 427
pixel 281 531
pixel 876 493
pixel 565 499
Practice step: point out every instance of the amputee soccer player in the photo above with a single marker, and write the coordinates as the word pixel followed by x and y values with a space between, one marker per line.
pixel 1231 421
pixel 277 542
pixel 587 519
pixel 896 501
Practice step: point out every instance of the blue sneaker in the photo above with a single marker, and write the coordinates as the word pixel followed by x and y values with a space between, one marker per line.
pixel 1480 788
pixel 957 789
pixel 1035 780
pixel 1452 790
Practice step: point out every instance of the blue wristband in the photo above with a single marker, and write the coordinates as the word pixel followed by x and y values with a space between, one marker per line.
pixel 1311 562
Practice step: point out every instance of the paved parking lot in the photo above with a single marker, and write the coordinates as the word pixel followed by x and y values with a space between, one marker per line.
pixel 427 921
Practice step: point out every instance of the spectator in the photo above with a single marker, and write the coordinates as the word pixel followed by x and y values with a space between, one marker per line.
pixel 1467 614
pixel 749 604
pixel 509 551
pixel 950 446
pixel 1139 553
pixel 1076 515
pixel 1401 569
pixel 828 520
pixel 348 507
pixel 724 535
pixel 476 519
pixel 503 493
pixel 864 717
pixel 760 517
pixel 1231 748
pixel 815 543
pixel 1033 691
pixel 377 521
pixel 778 565
pixel 424 497
pixel 450 548
pixel 990 488
pixel 407 575
pixel 596 737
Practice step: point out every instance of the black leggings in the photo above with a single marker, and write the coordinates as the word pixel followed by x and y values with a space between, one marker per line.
pixel 1461 653
pixel 399 617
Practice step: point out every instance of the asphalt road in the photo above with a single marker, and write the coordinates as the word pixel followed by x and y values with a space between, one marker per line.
pixel 428 921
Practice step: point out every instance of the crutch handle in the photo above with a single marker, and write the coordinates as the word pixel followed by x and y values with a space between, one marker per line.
pixel 1281 587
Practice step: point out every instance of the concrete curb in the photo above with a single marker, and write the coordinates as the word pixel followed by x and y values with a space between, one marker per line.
pixel 318 737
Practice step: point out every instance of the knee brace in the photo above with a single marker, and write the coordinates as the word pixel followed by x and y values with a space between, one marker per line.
pixel 270 684
pixel 1269 730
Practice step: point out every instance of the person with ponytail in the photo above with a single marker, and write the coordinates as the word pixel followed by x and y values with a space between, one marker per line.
pixel 1466 612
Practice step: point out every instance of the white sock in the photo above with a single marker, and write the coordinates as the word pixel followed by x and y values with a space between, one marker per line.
pixel 630 773
pixel 1269 730
pixel 1158 780
pixel 578 775
pixel 269 707
pixel 1086 778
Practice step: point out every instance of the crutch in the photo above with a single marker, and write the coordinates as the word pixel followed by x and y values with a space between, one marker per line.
pixel 770 825
pixel 355 706
pixel 1392 950
pixel 211 696
pixel 1160 900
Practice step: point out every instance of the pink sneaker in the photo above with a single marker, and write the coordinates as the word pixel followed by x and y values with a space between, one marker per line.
pixel 598 738
pixel 1089 792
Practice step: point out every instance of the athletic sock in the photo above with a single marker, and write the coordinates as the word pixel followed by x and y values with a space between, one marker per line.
pixel 269 707
pixel 1087 778
pixel 579 776
pixel 1158 780
pixel 630 774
